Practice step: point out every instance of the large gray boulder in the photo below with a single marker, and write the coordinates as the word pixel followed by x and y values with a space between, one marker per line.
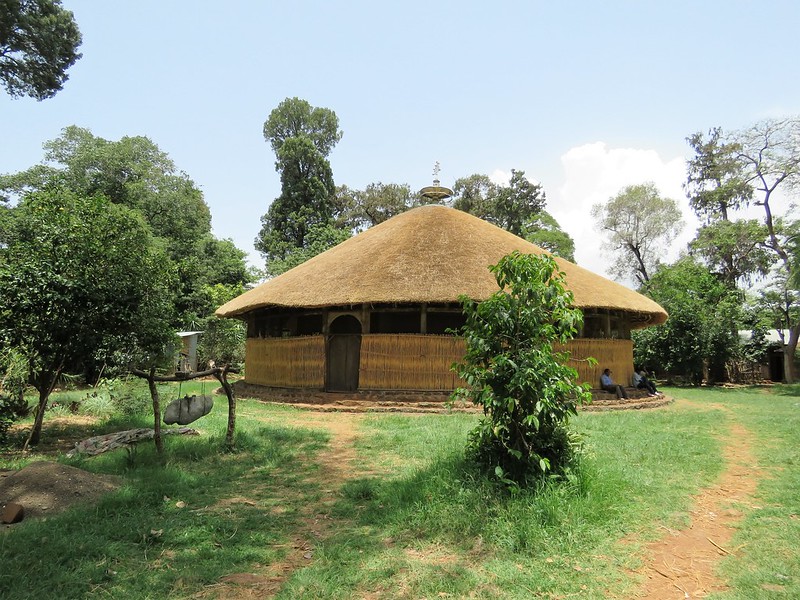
pixel 188 409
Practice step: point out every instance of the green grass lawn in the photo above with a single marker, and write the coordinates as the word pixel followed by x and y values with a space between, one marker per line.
pixel 412 520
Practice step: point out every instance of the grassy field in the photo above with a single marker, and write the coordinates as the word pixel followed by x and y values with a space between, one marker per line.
pixel 407 517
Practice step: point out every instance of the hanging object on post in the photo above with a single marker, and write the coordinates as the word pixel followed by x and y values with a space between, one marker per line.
pixel 188 409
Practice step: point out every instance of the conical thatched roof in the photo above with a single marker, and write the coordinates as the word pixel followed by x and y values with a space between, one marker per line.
pixel 428 254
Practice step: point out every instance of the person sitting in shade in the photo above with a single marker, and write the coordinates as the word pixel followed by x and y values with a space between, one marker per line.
pixel 608 385
pixel 641 382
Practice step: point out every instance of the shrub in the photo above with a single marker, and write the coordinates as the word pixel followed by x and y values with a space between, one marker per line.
pixel 130 397
pixel 13 377
pixel 526 389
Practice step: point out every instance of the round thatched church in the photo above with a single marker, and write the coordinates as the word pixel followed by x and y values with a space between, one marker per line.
pixel 373 312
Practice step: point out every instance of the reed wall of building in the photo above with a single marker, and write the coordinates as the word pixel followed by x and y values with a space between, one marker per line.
pixel 297 362
pixel 616 355
pixel 409 362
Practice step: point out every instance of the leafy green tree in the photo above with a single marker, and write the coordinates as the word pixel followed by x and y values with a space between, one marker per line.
pixel 525 387
pixel 715 183
pixel 296 118
pixel 640 224
pixel 223 340
pixel 544 231
pixel 476 195
pixel 82 284
pixel 13 379
pixel 302 137
pixel 357 210
pixel 512 207
pixel 700 336
pixel 135 173
pixel 517 207
pixel 766 159
pixel 734 249
pixel 39 41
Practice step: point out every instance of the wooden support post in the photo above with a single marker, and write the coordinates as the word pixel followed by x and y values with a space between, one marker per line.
pixel 222 377
pixel 151 382
pixel 221 373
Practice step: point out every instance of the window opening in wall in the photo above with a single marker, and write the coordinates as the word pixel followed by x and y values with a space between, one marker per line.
pixel 395 322
pixel 440 322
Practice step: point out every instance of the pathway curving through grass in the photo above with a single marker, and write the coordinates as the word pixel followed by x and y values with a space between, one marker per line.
pixel 682 564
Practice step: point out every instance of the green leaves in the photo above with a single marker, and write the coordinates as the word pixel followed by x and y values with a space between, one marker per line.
pixel 302 137
pixel 78 275
pixel 639 225
pixel 39 41
pixel 526 389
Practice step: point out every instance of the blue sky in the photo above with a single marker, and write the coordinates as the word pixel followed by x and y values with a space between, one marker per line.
pixel 585 97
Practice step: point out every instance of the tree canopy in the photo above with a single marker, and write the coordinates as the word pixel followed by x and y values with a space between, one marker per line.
pixel 134 172
pixel 640 225
pixel 544 231
pixel 302 137
pixel 715 182
pixel 39 41
pixel 517 207
pixel 700 336
pixel 83 286
pixel 512 207
pixel 296 118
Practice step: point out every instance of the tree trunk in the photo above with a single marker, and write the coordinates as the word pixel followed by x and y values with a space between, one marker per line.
pixel 788 354
pixel 156 413
pixel 223 379
pixel 36 430
pixel 45 389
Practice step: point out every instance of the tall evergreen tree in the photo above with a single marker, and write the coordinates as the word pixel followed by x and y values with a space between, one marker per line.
pixel 302 137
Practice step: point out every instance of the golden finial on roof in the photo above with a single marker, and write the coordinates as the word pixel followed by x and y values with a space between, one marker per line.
pixel 436 192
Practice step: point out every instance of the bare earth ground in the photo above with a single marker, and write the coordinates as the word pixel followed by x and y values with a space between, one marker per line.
pixel 681 565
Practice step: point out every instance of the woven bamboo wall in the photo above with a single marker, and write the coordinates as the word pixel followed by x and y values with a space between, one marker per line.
pixel 616 355
pixel 409 362
pixel 286 362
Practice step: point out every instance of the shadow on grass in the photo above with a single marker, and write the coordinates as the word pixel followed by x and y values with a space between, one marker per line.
pixel 787 389
pixel 171 528
pixel 447 511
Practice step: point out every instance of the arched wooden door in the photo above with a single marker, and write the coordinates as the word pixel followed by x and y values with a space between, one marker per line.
pixel 344 354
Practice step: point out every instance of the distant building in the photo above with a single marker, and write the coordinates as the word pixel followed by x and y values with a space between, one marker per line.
pixel 772 367
pixel 187 355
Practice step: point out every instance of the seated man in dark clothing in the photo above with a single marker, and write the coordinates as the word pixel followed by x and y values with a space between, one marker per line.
pixel 640 381
pixel 608 385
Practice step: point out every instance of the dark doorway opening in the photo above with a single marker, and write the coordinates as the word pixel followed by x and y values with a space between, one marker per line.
pixel 776 365
pixel 344 354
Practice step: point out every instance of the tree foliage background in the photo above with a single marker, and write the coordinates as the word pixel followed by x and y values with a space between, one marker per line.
pixel 39 41
pixel 74 297
pixel 135 173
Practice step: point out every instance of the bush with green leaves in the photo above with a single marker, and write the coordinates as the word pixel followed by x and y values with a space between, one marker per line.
pixel 222 340
pixel 13 377
pixel 129 396
pixel 700 338
pixel 527 391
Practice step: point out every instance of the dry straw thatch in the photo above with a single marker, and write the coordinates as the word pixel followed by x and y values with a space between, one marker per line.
pixel 429 254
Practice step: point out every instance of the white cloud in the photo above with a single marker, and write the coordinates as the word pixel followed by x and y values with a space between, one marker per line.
pixel 593 173
pixel 500 177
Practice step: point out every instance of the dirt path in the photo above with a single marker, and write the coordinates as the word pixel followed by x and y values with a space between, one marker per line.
pixel 336 465
pixel 682 564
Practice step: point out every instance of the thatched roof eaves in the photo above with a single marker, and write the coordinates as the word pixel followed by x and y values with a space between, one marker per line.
pixel 430 254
